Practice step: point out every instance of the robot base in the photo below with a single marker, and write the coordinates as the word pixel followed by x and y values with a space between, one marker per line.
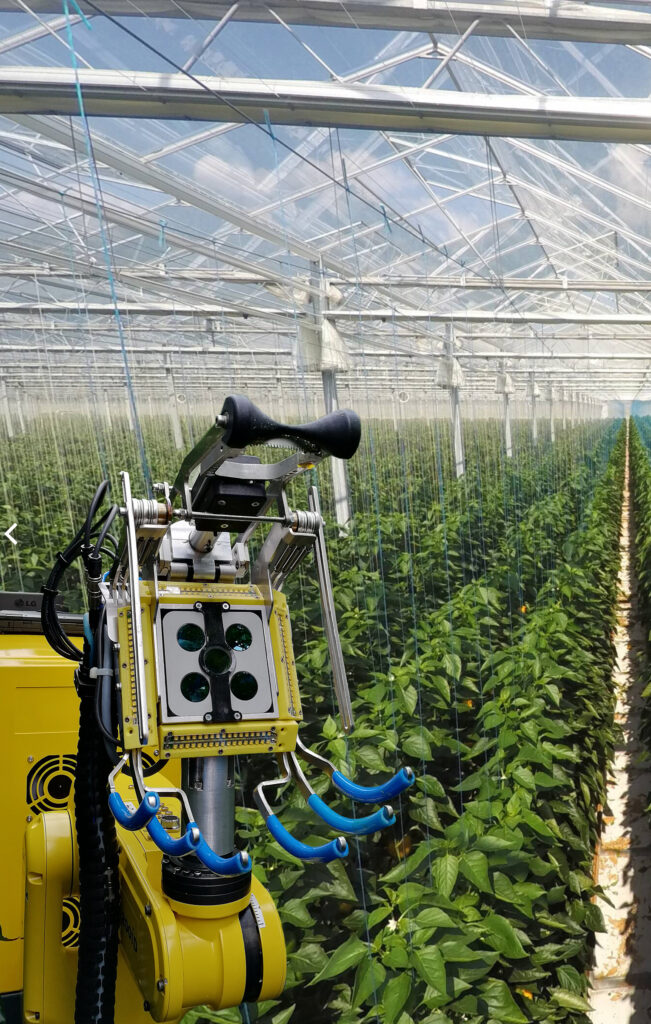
pixel 173 955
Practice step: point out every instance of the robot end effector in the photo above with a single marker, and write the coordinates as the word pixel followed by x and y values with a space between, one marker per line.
pixel 225 492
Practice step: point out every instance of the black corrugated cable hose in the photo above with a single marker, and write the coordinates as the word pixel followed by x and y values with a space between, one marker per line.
pixel 98 869
pixel 99 894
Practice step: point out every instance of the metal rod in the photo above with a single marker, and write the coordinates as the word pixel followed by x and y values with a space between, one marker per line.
pixel 136 618
pixel 330 619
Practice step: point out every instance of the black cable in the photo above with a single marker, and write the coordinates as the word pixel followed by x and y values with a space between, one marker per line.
pixel 98 498
pixel 104 532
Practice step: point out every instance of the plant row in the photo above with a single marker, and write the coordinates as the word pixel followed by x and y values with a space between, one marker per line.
pixel 480 906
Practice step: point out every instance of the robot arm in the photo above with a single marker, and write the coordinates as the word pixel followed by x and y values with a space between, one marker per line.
pixel 189 659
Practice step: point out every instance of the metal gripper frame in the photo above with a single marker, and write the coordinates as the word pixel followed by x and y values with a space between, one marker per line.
pixel 183 562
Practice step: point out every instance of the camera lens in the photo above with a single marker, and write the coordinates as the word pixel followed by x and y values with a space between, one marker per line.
pixel 217 660
pixel 191 637
pixel 238 637
pixel 244 686
pixel 195 687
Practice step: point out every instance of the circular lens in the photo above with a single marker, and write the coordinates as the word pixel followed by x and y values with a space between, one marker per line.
pixel 238 637
pixel 195 687
pixel 217 660
pixel 244 686
pixel 191 637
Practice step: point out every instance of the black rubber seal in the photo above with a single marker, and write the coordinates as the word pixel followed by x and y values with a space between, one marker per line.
pixel 187 880
pixel 252 955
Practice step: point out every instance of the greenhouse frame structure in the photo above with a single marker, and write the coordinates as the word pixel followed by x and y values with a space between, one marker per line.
pixel 465 201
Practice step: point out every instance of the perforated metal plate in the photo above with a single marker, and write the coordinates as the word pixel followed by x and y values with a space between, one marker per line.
pixel 184 683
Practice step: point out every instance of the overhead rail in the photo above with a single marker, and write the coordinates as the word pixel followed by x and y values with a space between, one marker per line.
pixel 571 22
pixel 384 314
pixel 52 90
pixel 145 274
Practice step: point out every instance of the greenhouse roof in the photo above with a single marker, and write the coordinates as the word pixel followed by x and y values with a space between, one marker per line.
pixel 316 185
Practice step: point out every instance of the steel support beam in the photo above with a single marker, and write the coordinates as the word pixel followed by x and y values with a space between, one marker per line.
pixel 385 315
pixel 564 20
pixel 141 275
pixel 51 90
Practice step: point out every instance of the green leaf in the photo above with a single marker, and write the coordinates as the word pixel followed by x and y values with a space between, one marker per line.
pixel 501 935
pixel 309 958
pixel 430 966
pixel 343 958
pixel 474 866
pixel 368 979
pixel 500 1003
pixel 417 746
pixel 535 822
pixel 594 919
pixel 444 873
pixel 570 1000
pixel 524 777
pixel 377 915
pixel 570 979
pixel 295 912
pixel 370 757
pixel 283 1016
pixel 434 917
pixel 330 729
pixel 395 996
pixel 431 786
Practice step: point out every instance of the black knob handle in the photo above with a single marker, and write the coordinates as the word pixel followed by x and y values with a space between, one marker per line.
pixel 336 434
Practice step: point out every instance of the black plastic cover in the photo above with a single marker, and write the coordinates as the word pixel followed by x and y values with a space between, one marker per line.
pixel 336 434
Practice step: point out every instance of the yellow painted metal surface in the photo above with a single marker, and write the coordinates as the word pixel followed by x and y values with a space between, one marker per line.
pixel 198 950
pixel 172 956
pixel 38 743
pixel 177 740
pixel 50 965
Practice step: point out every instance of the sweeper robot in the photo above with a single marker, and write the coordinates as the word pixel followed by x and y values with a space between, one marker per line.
pixel 187 663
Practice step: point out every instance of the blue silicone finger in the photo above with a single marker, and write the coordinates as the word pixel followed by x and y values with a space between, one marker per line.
pixel 136 819
pixel 174 847
pixel 238 864
pixel 374 794
pixel 355 826
pixel 333 850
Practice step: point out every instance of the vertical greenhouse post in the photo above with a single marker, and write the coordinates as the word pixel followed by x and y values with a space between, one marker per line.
pixel 4 407
pixel 552 433
pixel 19 411
pixel 333 357
pixel 504 386
pixel 171 397
pixel 450 377
pixel 564 407
pixel 107 408
pixel 533 392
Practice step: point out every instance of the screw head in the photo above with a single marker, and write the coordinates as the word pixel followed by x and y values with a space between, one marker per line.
pixel 225 606
pixel 198 606
pixel 148 909
pixel 30 758
pixel 207 717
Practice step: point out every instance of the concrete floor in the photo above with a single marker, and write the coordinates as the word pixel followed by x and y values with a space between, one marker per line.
pixel 622 972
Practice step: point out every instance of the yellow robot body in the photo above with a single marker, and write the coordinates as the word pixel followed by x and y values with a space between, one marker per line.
pixel 172 955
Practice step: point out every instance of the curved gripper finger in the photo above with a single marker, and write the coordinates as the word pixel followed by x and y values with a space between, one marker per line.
pixel 374 794
pixel 187 843
pixel 355 826
pixel 134 820
pixel 334 850
pixel 238 864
